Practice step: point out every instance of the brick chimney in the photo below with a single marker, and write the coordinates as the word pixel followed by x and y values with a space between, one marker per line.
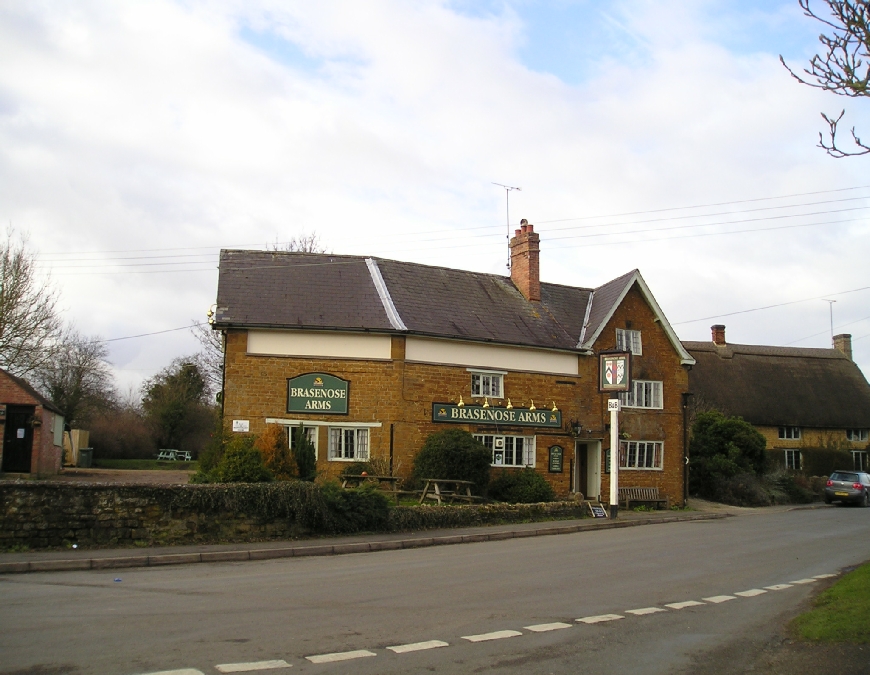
pixel 718 334
pixel 525 264
pixel 843 343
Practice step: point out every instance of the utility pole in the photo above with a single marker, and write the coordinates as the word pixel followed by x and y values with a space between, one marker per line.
pixel 507 199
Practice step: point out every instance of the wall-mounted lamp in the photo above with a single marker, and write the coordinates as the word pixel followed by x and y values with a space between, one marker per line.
pixel 509 406
pixel 532 405
pixel 486 403
pixel 461 403
pixel 555 409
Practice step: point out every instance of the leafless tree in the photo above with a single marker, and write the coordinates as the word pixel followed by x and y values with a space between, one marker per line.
pixel 78 378
pixel 302 243
pixel 844 66
pixel 30 328
pixel 210 358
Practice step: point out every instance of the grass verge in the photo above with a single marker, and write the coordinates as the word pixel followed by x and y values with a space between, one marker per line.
pixel 841 613
pixel 145 465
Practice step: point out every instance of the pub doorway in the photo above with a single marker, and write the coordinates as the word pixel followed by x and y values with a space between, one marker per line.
pixel 18 439
pixel 587 469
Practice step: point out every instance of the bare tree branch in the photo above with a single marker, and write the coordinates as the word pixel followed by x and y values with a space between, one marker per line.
pixel 30 328
pixel 302 243
pixel 843 67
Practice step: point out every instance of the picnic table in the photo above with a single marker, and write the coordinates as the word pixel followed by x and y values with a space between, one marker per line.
pixel 174 455
pixel 388 484
pixel 441 490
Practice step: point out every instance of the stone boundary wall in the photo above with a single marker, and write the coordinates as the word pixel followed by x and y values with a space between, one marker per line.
pixel 46 514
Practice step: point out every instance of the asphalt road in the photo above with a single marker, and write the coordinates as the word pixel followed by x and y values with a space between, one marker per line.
pixel 305 610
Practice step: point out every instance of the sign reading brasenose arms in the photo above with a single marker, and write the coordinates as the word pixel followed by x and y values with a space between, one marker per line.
pixel 521 417
pixel 317 393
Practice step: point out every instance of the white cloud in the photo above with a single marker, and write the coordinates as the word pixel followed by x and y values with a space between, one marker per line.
pixel 161 125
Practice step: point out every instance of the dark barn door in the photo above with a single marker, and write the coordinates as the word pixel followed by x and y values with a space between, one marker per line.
pixel 18 439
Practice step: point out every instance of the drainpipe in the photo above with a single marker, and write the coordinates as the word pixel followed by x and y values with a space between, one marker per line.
pixel 687 397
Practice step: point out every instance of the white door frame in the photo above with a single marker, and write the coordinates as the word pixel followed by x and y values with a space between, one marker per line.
pixel 592 489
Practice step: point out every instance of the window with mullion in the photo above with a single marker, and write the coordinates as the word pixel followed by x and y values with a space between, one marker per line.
pixel 643 394
pixel 348 444
pixel 486 385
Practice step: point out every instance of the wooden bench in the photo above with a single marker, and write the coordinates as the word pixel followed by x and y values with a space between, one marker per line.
pixel 629 495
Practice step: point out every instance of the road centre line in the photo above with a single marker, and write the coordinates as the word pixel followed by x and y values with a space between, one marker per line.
pixel 601 618
pixel 778 587
pixel 645 610
pixel 684 604
pixel 804 581
pixel 253 665
pixel 751 593
pixel 545 627
pixel 497 635
pixel 180 671
pixel 716 599
pixel 418 646
pixel 340 656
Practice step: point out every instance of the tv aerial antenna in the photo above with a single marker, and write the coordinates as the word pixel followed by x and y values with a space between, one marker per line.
pixel 831 306
pixel 507 199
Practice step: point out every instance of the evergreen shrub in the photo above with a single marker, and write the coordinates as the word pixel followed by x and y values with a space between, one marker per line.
pixel 453 454
pixel 525 486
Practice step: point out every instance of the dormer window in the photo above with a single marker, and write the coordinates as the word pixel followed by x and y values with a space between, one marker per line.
pixel 629 341
pixel 487 383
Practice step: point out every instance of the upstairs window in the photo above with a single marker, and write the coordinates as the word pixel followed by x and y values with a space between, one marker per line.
pixel 790 433
pixel 629 341
pixel 489 384
pixel 643 394
pixel 856 434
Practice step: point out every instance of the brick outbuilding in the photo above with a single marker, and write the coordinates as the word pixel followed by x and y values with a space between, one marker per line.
pixel 32 428
pixel 373 355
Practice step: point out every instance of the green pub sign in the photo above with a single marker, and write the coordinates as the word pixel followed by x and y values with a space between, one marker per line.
pixel 556 455
pixel 317 393
pixel 521 417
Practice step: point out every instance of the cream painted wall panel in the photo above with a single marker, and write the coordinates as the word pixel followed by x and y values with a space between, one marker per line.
pixel 489 356
pixel 335 345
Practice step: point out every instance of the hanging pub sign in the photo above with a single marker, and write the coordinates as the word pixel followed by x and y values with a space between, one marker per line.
pixel 556 455
pixel 614 371
pixel 521 417
pixel 317 393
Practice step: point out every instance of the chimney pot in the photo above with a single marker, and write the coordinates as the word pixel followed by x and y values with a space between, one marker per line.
pixel 517 233
pixel 843 343
pixel 718 334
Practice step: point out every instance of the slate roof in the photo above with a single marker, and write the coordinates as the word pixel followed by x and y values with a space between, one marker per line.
pixel 779 386
pixel 266 289
pixel 39 398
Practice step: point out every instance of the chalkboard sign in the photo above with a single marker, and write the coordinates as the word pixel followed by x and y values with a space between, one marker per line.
pixel 556 455
pixel 598 511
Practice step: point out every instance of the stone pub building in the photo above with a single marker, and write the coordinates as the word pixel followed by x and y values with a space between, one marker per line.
pixel 371 356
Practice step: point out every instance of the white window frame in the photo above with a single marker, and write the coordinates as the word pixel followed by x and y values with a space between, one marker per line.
pixel 789 433
pixel 633 453
pixel 339 450
pixel 644 394
pixel 860 460
pixel 312 434
pixel 502 444
pixel 629 340
pixel 482 382
pixel 793 459
pixel 856 435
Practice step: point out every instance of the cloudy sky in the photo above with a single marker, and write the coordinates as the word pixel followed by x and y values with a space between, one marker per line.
pixel 137 139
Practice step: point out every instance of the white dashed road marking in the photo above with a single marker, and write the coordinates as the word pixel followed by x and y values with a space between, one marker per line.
pixel 645 610
pixel 254 665
pixel 601 618
pixel 803 581
pixel 340 656
pixel 751 593
pixel 544 627
pixel 778 587
pixel 683 605
pixel 418 646
pixel 181 671
pixel 716 599
pixel 497 635
pixel 824 576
